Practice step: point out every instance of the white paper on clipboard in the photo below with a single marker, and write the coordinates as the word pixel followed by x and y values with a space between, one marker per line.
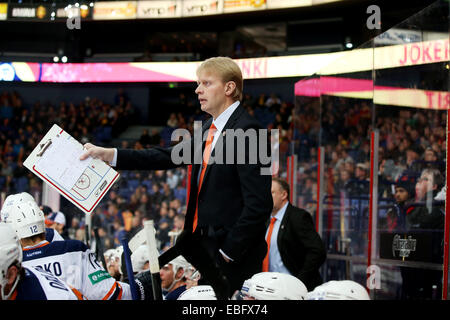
pixel 55 160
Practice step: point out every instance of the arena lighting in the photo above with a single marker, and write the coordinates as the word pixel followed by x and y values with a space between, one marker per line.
pixel 348 43
pixel 55 59
pixel 64 59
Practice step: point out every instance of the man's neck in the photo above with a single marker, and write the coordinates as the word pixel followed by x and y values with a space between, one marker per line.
pixel 274 212
pixel 177 285
pixel 30 243
pixel 224 107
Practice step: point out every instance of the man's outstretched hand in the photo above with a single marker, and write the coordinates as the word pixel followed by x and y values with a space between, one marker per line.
pixel 105 154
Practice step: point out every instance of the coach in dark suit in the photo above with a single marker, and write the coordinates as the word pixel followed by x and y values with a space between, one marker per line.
pixel 294 245
pixel 228 203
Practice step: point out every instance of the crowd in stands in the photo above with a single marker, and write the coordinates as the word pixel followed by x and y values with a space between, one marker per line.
pixel 410 139
pixel 137 196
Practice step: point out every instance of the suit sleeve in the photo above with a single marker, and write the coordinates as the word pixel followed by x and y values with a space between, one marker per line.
pixel 311 241
pixel 158 158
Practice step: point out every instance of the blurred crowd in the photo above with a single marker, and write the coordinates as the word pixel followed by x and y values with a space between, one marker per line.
pixel 137 196
pixel 410 140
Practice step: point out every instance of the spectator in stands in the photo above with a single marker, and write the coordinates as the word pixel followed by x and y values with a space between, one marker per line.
pixel 397 217
pixel 359 186
pixel 162 234
pixel 75 225
pixel 413 156
pixel 144 204
pixel 155 138
pixel 273 102
pixel 57 221
pixel 426 218
pixel 178 222
pixel 173 120
pixel 156 196
pixel 172 180
pixel 167 194
pixel 145 139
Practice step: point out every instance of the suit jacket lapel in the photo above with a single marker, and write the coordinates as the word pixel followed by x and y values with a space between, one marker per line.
pixel 196 167
pixel 229 125
pixel 283 224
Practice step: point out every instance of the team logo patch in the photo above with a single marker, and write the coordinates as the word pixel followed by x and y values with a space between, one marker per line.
pixel 98 276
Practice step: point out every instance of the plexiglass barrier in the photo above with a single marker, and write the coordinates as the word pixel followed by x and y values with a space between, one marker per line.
pixel 378 117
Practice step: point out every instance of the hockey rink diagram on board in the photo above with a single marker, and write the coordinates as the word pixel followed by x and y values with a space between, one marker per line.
pixel 56 161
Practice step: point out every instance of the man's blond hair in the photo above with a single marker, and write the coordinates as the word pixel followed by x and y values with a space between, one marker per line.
pixel 227 70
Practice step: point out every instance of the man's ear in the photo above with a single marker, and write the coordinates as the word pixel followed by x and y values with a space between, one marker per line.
pixel 179 274
pixel 11 274
pixel 230 87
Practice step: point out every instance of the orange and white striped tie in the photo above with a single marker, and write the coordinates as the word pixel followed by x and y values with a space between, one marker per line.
pixel 206 155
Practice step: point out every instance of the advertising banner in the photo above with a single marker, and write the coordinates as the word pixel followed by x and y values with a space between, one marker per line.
pixel 115 10
pixel 83 11
pixel 202 7
pixel 324 1
pixel 159 9
pixel 243 5
pixel 29 12
pixel 3 11
pixel 276 4
pixel 257 68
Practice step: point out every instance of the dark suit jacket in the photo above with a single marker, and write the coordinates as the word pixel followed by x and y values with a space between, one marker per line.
pixel 301 248
pixel 235 199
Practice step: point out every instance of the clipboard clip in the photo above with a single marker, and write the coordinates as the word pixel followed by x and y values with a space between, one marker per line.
pixel 44 147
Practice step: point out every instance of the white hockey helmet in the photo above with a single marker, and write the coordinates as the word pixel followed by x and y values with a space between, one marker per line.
pixel 108 254
pixel 9 203
pixel 139 258
pixel 339 290
pixel 273 286
pixel 179 262
pixel 202 292
pixel 117 256
pixel 10 253
pixel 27 219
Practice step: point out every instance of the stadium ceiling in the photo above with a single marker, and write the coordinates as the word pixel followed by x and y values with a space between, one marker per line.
pixel 317 29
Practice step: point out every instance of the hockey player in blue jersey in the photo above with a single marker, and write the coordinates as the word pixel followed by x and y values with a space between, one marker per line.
pixel 21 283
